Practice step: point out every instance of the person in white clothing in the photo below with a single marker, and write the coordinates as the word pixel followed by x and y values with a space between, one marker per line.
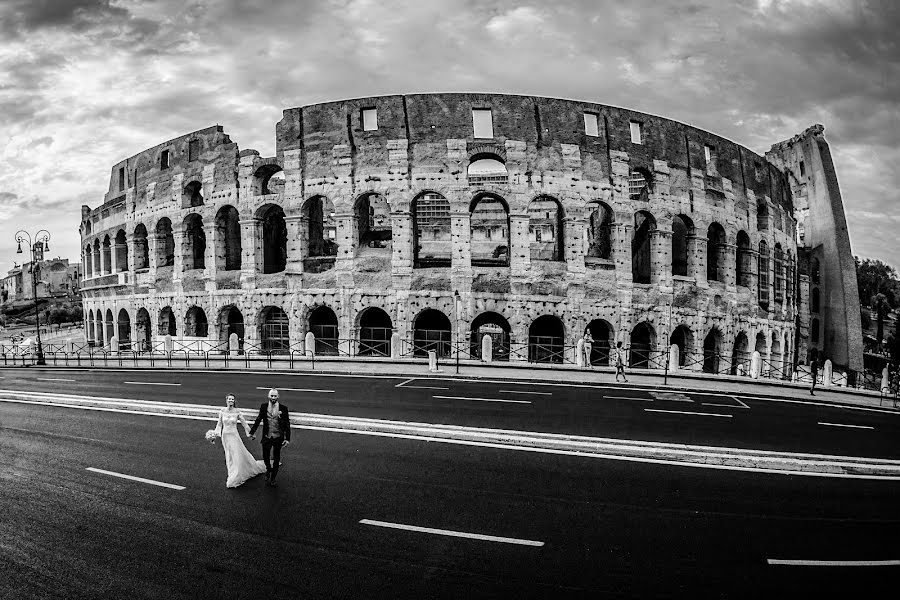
pixel 239 462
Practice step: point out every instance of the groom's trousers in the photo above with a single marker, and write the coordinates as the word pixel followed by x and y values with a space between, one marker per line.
pixel 272 446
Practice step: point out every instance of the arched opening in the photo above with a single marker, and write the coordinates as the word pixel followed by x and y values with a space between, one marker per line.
pixel 599 231
pixel 231 321
pixel 639 184
pixel 123 330
pixel 682 337
pixel 375 330
pixel 495 326
pixel 489 244
pixel 545 229
pixel 373 222
pixel 109 329
pixel 815 300
pixel 194 246
pixel 144 331
pixel 546 340
pixel 763 274
pixel 91 328
pixel 107 256
pixel 192 195
pixel 779 273
pixel 274 332
pixel 740 355
pixel 742 265
pixel 432 243
pixel 195 323
pixel 814 331
pixel 269 179
pixel 644 226
pixel 715 253
pixel 642 340
pixel 319 213
pixel 88 262
pixel 682 227
pixel 165 243
pixel 121 251
pixel 762 216
pixel 167 324
pixel 324 325
pixel 431 331
pixel 712 349
pixel 228 239
pixel 602 332
pixel 760 345
pixel 274 238
pixel 141 249
pixel 776 359
pixel 487 168
pixel 814 270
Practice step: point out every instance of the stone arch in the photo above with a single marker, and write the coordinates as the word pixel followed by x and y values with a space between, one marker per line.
pixel 712 351
pixel 740 355
pixel 193 251
pixel 231 320
pixel 495 326
pixel 683 337
pixel 431 225
pixel 106 248
pixel 167 324
pixel 323 323
pixel 143 330
pixel 762 216
pixel 141 248
pixel 640 184
pixel 546 340
pixel 603 335
pixel 88 262
pixel 121 251
pixel 743 257
pixel 98 268
pixel 715 253
pixel 322 227
pixel 776 358
pixel 192 195
pixel 195 323
pixel 123 329
pixel 165 245
pixel 545 229
pixel 269 179
pixel 641 344
pixel 489 226
pixel 641 246
pixel 682 229
pixel 274 330
pixel 599 231
pixel 763 274
pixel 109 328
pixel 91 328
pixel 761 344
pixel 375 330
pixel 778 279
pixel 373 221
pixel 487 166
pixel 274 237
pixel 431 331
pixel 228 239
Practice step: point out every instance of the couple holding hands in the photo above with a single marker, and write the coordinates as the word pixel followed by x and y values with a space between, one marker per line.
pixel 276 433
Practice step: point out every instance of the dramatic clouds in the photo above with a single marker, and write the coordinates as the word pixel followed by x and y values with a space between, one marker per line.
pixel 85 83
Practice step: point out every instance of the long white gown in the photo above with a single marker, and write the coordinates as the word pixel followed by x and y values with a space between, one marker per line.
pixel 240 463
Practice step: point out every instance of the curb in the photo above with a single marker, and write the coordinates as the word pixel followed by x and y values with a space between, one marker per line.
pixel 642 451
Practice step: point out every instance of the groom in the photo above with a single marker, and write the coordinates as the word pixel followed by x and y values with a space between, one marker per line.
pixel 276 433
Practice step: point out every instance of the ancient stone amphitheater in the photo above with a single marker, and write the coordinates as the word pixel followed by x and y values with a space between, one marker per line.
pixel 440 219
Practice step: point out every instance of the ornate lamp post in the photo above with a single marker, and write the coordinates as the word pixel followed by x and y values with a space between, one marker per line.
pixel 37 247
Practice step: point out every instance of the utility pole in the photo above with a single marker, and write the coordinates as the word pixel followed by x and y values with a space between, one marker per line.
pixel 37 247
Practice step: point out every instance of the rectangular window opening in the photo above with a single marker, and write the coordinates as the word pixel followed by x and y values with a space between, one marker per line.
pixel 708 152
pixel 482 123
pixel 369 119
pixel 122 179
pixel 802 169
pixel 592 124
pixel 636 133
pixel 164 160
pixel 193 150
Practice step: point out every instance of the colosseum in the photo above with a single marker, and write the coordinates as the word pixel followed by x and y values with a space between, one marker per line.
pixel 439 219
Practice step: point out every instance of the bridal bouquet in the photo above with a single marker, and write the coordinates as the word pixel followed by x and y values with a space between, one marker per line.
pixel 211 436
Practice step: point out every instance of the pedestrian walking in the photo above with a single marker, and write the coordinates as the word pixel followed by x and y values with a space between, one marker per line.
pixel 276 433
pixel 588 340
pixel 814 371
pixel 620 362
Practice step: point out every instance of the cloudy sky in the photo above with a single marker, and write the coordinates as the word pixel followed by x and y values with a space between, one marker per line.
pixel 86 83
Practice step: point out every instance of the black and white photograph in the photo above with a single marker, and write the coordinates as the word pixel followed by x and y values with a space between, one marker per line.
pixel 429 299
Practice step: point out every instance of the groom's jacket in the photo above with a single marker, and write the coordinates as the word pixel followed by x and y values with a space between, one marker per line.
pixel 284 421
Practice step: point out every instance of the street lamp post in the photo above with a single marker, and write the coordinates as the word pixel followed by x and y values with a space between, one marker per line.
pixel 37 247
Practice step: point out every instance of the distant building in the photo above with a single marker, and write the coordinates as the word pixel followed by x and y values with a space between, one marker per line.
pixel 56 278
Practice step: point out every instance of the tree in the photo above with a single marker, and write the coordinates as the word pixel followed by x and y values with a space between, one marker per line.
pixel 881 307
pixel 865 318
pixel 875 277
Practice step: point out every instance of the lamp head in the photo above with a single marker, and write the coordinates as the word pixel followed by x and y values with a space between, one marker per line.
pixel 19 248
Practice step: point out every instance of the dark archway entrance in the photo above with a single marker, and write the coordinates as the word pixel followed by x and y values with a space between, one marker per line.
pixel 144 331
pixel 431 332
pixel 684 339
pixel 124 330
pixel 195 323
pixel 274 330
pixel 546 340
pixel 641 346
pixel 231 321
pixel 167 325
pixel 324 325
pixel 497 327
pixel 712 348
pixel 375 330
pixel 740 355
pixel 601 331
pixel 274 239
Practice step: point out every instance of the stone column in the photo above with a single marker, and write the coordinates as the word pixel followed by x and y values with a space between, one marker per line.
pixel 252 250
pixel 343 264
pixel 103 265
pixel 622 230
pixel 574 247
pixel 179 235
pixel 296 224
pixel 401 250
pixel 98 266
pixel 153 243
pixel 209 257
pixel 661 257
pixel 697 259
pixel 728 252
pixel 519 245
pixel 461 252
pixel 131 244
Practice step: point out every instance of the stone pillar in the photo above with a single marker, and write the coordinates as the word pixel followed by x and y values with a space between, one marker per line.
pixel 252 250
pixel 295 225
pixel 755 364
pixel 104 267
pixel 401 250
pixel 153 242
pixel 461 251
pixel 487 349
pixel 519 245
pixel 113 257
pixel 661 257
pixel 309 344
pixel 729 252
pixel 827 373
pixel 395 345
pixel 886 379
pixel 132 254
pixel 674 356
pixel 343 264
pixel 209 256
pixel 180 236
pixel 579 352
pixel 697 259
pixel 622 230
pixel 574 232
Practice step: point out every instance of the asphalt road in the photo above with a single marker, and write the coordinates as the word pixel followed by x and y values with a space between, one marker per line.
pixel 605 528
pixel 617 411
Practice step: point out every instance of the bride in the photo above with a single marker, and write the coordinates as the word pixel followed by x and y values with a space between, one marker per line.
pixel 240 463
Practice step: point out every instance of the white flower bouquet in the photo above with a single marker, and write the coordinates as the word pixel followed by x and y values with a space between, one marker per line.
pixel 212 436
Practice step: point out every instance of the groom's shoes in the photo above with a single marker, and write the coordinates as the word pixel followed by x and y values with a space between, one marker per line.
pixel 271 483
pixel 268 475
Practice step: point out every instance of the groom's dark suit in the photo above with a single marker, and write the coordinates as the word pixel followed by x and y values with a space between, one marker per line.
pixel 273 440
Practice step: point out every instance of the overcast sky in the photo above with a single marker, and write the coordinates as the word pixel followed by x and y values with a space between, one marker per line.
pixel 86 83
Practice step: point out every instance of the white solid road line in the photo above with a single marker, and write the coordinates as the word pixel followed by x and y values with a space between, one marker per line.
pixel 524 392
pixel 448 532
pixel 281 389
pixel 844 425
pixel 834 563
pixel 148 383
pixel 483 399
pixel 52 379
pixel 686 412
pixel 171 486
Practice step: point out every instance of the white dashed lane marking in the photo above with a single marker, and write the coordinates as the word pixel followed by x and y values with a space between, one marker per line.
pixel 450 533
pixel 171 486
pixel 685 412
pixel 844 425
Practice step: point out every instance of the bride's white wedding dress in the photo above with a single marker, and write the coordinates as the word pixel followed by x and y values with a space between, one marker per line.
pixel 240 463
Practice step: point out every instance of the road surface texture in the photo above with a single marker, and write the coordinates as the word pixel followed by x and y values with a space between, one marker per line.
pixel 361 516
